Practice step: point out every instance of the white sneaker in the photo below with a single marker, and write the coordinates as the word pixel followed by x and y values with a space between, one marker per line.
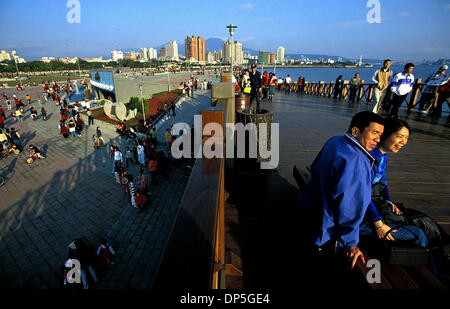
pixel 424 112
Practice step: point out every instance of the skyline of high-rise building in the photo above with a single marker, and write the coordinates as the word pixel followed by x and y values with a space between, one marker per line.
pixel 232 50
pixel 116 55
pixel 172 50
pixel 195 48
pixel 280 54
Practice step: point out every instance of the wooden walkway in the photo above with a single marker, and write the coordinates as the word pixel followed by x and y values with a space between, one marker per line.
pixel 262 213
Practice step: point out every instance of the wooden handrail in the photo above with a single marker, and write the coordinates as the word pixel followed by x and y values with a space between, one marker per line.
pixel 365 91
pixel 195 252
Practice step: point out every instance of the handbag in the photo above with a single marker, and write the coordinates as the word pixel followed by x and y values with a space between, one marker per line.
pixel 247 90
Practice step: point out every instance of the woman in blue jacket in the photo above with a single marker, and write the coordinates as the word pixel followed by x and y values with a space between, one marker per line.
pixel 379 220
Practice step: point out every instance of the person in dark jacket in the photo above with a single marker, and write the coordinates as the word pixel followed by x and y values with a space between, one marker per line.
pixel 338 87
pixel 256 86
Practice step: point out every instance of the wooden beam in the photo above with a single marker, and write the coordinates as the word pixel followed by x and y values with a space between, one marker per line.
pixel 233 271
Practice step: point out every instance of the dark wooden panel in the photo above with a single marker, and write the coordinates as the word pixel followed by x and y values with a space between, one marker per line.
pixel 188 259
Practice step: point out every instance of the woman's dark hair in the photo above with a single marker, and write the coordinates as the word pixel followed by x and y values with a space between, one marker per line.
pixel 384 62
pixel 391 126
pixel 362 120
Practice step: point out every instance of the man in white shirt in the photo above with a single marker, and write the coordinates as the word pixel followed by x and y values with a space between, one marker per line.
pixel 288 83
pixel 402 84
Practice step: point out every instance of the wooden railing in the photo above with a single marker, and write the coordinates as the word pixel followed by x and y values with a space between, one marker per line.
pixel 195 253
pixel 365 92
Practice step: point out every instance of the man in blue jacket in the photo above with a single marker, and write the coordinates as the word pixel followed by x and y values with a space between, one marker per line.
pixel 340 188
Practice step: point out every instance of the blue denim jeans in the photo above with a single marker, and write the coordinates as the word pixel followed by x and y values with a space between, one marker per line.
pixel 407 232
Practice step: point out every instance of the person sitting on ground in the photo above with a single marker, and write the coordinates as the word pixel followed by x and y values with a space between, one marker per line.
pixel 120 128
pixel 382 214
pixel 34 113
pixel 33 150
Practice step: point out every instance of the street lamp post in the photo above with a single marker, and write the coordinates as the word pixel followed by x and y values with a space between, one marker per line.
pixel 168 80
pixel 231 28
pixel 17 69
pixel 142 102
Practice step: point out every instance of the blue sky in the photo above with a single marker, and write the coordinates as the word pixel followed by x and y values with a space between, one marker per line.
pixel 409 30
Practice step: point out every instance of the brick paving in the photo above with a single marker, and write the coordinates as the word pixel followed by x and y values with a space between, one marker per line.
pixel 71 194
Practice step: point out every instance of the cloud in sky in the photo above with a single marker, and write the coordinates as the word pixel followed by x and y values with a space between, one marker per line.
pixel 348 23
pixel 442 6
pixel 246 7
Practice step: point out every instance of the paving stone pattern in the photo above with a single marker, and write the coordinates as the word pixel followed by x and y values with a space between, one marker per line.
pixel 72 193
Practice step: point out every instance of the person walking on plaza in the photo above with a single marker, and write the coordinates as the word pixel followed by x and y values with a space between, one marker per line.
pixel 256 86
pixel 152 167
pixel 355 82
pixel 382 79
pixel 2 113
pixel 8 104
pixel 402 84
pixel 28 98
pixel 90 117
pixel 19 115
pixel 128 156
pixel 98 132
pixel 433 82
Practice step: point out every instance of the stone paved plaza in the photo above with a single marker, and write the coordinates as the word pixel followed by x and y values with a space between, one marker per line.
pixel 71 194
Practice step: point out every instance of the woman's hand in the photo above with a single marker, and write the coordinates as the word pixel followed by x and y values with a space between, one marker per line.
pixel 395 210
pixel 381 229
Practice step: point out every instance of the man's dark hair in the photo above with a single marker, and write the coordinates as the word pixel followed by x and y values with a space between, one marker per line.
pixel 384 62
pixel 408 65
pixel 391 126
pixel 362 120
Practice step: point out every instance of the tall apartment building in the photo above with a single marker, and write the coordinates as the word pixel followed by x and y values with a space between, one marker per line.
pixel 162 53
pixel 172 50
pixel 263 57
pixel 116 55
pixel 143 54
pixel 195 48
pixel 271 58
pixel 152 53
pixel 232 50
pixel 280 54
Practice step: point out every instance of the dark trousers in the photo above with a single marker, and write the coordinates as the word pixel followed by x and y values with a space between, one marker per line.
pixel 443 96
pixel 337 92
pixel 395 103
pixel 254 94
pixel 353 91
pixel 90 120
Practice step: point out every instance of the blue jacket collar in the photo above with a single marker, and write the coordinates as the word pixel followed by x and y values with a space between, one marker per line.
pixel 355 142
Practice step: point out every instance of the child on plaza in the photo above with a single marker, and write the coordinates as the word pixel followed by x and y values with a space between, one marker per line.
pixel 95 140
pixel 8 104
pixel 132 190
pixel 124 181
pixel 105 254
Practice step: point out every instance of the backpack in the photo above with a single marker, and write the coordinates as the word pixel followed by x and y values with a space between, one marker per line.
pixel 437 237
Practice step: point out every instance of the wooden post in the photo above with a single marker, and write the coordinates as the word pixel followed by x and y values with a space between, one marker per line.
pixel 360 91
pixel 330 93
pixel 414 93
pixel 370 94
